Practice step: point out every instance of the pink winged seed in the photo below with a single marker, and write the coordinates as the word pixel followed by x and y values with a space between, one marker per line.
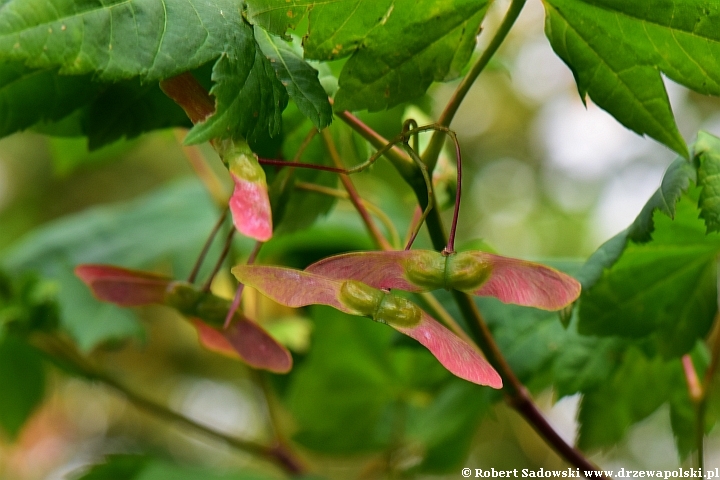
pixel 294 288
pixel 250 208
pixel 377 269
pixel 124 287
pixel 453 353
pixel 511 280
pixel 244 339
pixel 527 283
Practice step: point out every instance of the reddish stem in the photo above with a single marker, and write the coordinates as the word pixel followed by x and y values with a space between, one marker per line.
pixel 354 196
pixel 221 259
pixel 312 166
pixel 206 247
pixel 241 286
pixel 187 92
pixel 456 212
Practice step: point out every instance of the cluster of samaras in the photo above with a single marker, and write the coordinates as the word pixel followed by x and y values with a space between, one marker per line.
pixel 358 283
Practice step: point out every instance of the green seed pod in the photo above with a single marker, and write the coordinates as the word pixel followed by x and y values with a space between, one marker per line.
pixel 466 272
pixel 360 297
pixel 183 297
pixel 397 312
pixel 426 270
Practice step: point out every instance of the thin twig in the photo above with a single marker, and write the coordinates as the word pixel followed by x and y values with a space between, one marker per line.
pixel 66 354
pixel 220 260
pixel 433 149
pixel 238 292
pixel 372 208
pixel 354 196
pixel 206 247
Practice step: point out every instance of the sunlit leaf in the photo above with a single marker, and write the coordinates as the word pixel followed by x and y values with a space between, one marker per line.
pixel 397 47
pixel 618 50
pixel 507 279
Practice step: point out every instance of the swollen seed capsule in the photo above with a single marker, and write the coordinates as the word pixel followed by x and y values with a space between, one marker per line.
pixel 360 297
pixel 398 312
pixel 426 270
pixel 182 297
pixel 466 272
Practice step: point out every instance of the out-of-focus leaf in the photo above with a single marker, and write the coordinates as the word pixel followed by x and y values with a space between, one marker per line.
pixel 446 426
pixel 136 467
pixel 585 363
pixel 508 279
pixel 168 225
pixel 299 78
pixel 634 391
pixel 117 467
pixel 617 51
pixel 22 382
pixel 28 96
pixel 27 303
pixel 339 394
pixel 128 109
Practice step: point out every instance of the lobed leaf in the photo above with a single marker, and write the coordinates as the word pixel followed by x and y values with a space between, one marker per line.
pixel 299 78
pixel 509 280
pixel 617 51
pixel 117 39
pixel 675 182
pixel 295 288
pixel 397 47
pixel 664 289
pixel 249 98
pixel 707 152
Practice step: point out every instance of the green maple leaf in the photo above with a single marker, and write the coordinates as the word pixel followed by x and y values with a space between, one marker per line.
pixel 397 47
pixel 617 51
pixel 149 40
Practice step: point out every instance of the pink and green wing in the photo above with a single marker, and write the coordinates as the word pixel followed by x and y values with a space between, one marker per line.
pixel 292 288
pixel 295 288
pixel 453 353
pixel 246 340
pixel 124 287
pixel 508 279
pixel 526 283
pixel 378 269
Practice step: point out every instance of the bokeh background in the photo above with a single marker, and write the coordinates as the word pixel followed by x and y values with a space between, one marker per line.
pixel 546 177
